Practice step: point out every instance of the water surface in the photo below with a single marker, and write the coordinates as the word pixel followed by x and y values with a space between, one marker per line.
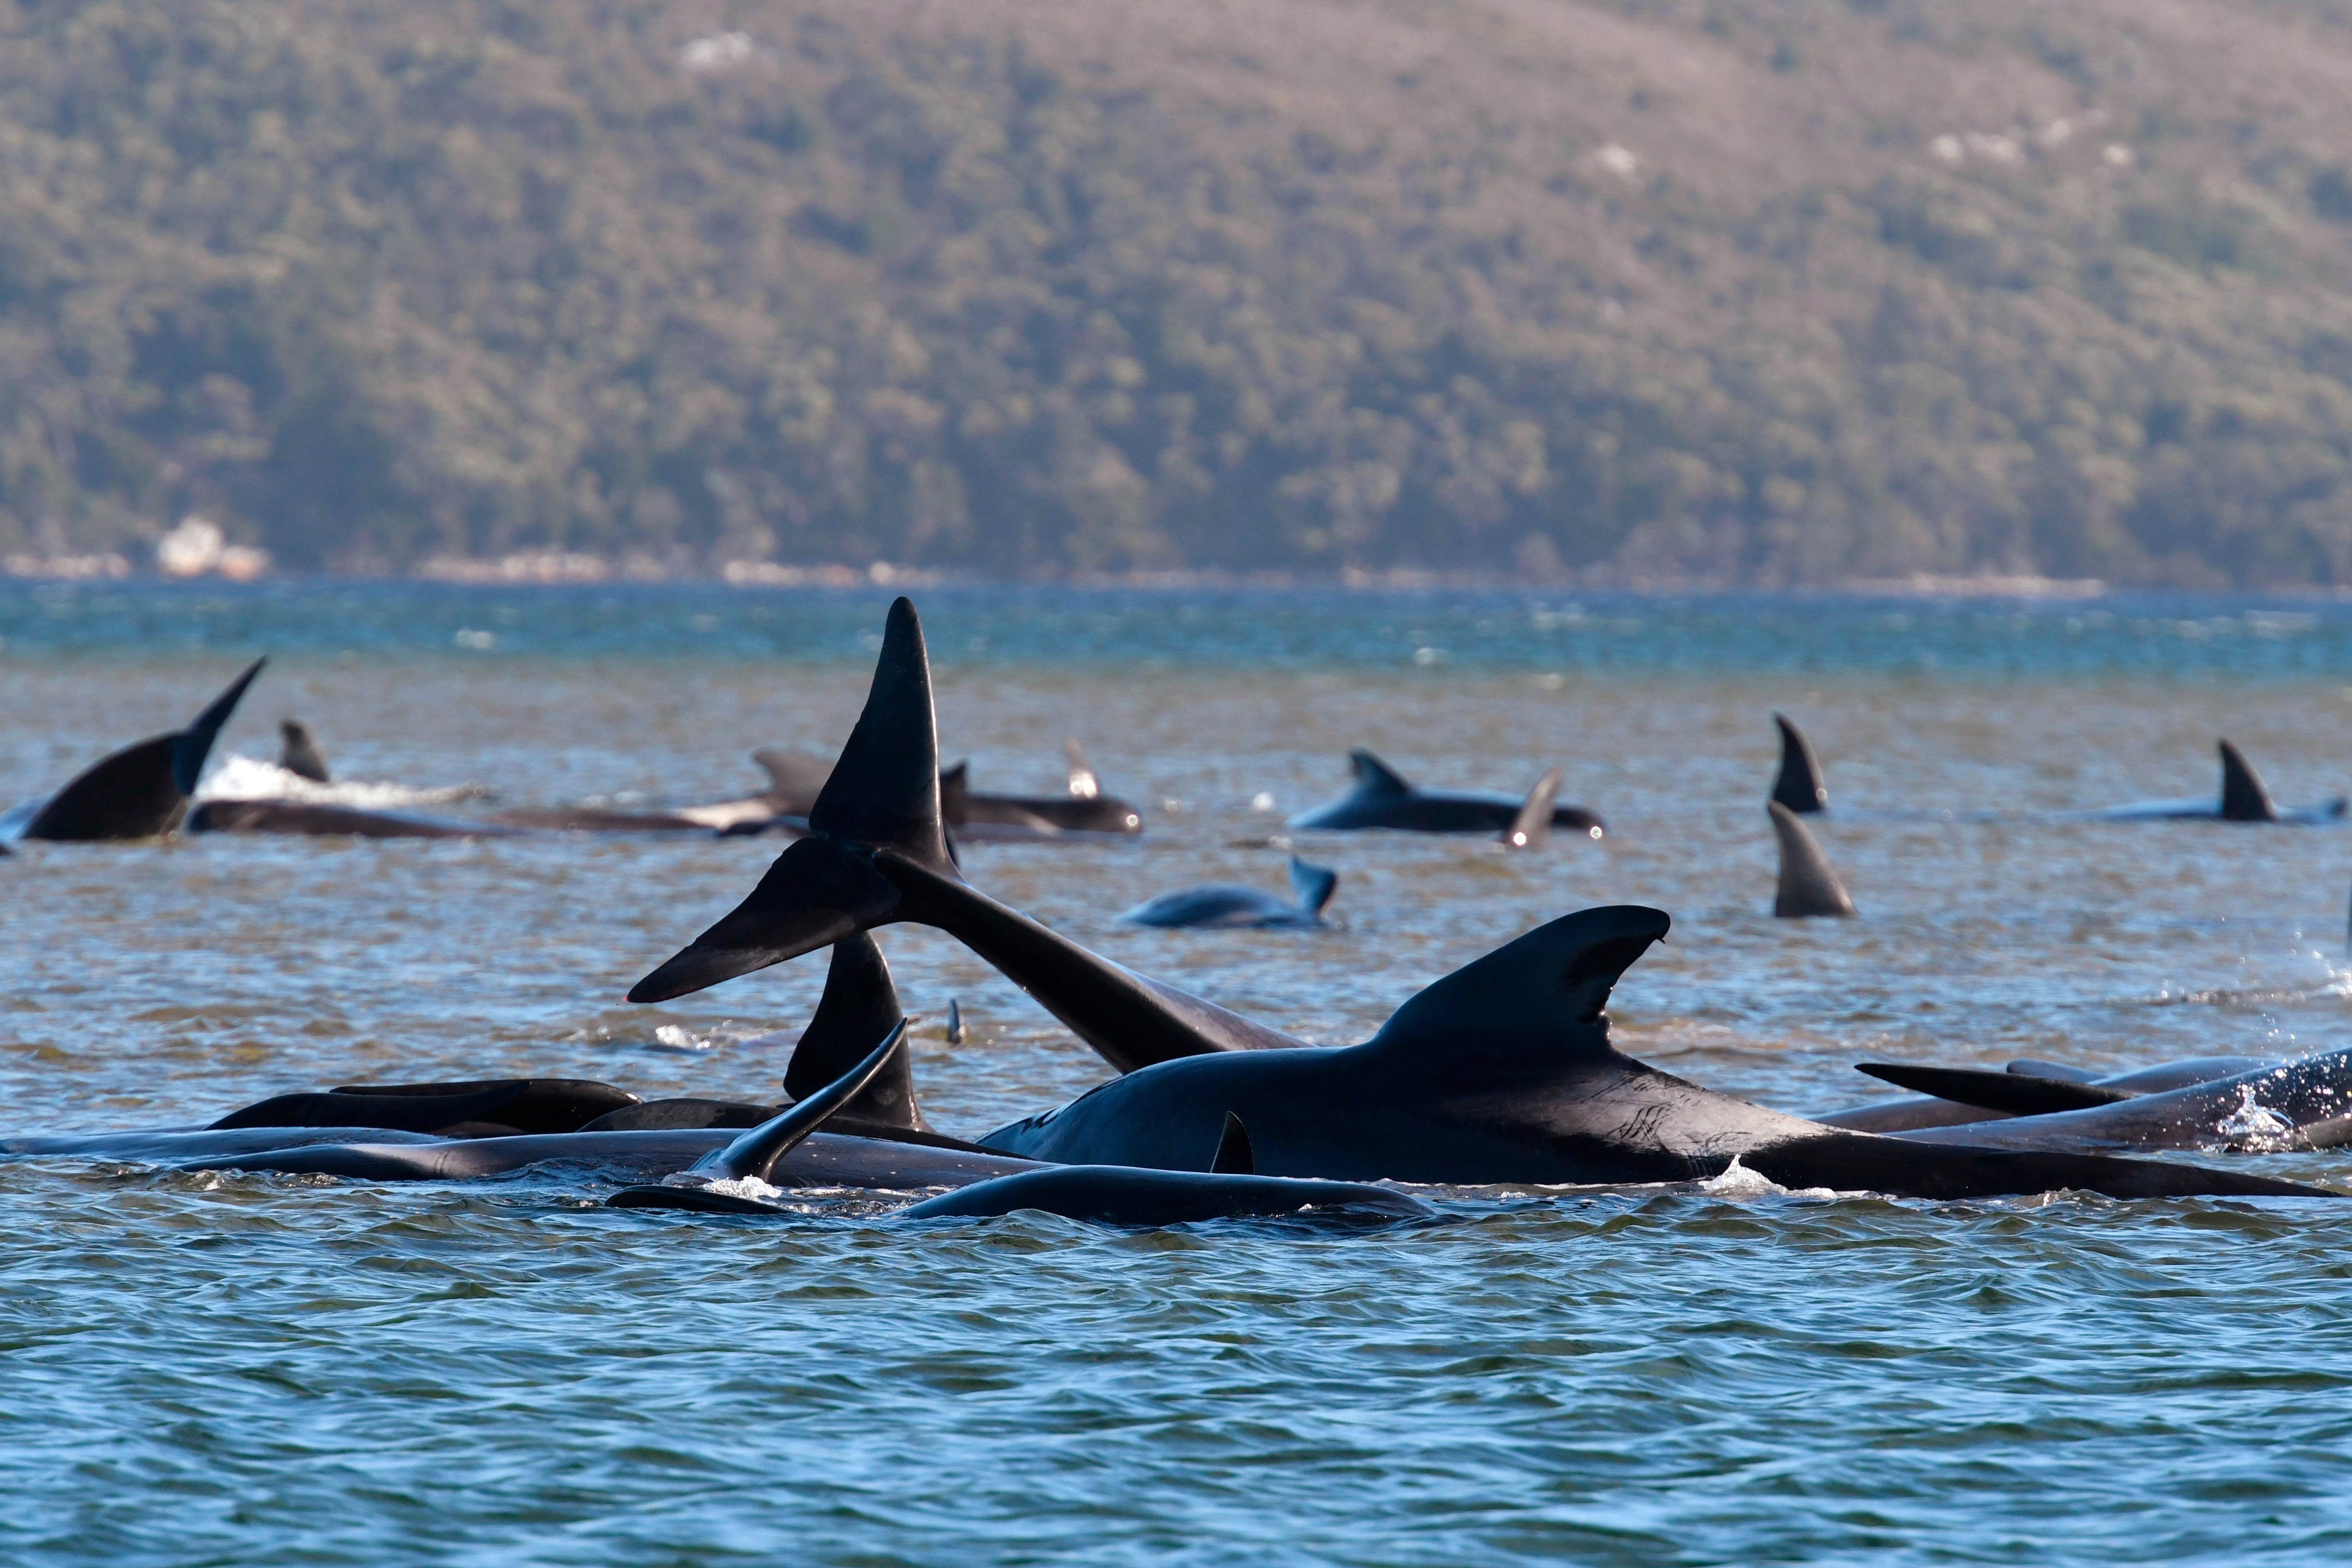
pixel 232 1370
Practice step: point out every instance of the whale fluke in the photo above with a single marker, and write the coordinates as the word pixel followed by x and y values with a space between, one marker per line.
pixel 883 795
pixel 2243 798
pixel 794 779
pixel 1808 887
pixel 1232 1157
pixel 1532 827
pixel 2017 1094
pixel 141 791
pixel 1084 785
pixel 885 789
pixel 756 1152
pixel 298 751
pixel 859 1004
pixel 1799 786
pixel 1313 885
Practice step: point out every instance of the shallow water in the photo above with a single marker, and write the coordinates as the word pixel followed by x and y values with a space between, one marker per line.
pixel 234 1370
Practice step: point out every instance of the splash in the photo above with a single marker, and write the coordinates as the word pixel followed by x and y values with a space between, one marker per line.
pixel 2254 1128
pixel 731 1186
pixel 250 778
pixel 1736 1181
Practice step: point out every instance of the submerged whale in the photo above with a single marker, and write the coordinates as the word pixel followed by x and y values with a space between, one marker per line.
pixel 1798 785
pixel 1501 1072
pixel 1381 798
pixel 2243 799
pixel 1228 906
pixel 731 1180
pixel 2230 1103
pixel 797 778
pixel 141 791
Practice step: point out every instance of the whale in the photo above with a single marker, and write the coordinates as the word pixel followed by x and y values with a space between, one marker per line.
pixel 797 778
pixel 736 1179
pixel 1808 888
pixel 139 791
pixel 1798 785
pixel 299 754
pixel 1228 906
pixel 326 819
pixel 1952 1097
pixel 1383 798
pixel 2243 799
pixel 1501 1072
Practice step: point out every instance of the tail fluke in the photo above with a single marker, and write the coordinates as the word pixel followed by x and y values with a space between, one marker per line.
pixel 1312 885
pixel 859 1004
pixel 1799 786
pixel 1808 887
pixel 2016 1094
pixel 2243 798
pixel 141 791
pixel 884 793
pixel 1532 827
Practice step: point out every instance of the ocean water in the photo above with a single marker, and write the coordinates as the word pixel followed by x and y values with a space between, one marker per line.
pixel 209 1369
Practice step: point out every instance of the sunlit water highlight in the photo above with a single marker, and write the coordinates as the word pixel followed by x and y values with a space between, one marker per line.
pixel 248 1369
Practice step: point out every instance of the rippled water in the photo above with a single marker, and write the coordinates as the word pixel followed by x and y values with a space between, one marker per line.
pixel 251 1369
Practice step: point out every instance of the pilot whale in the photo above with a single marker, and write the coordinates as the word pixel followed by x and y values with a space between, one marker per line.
pixel 1228 906
pixel 2243 799
pixel 1808 887
pixel 1952 1097
pixel 1501 1072
pixel 797 778
pixel 1383 798
pixel 141 791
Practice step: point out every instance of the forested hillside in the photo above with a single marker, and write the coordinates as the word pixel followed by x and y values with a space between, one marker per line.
pixel 1731 290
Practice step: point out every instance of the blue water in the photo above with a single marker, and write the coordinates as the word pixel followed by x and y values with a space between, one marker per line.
pixel 208 1368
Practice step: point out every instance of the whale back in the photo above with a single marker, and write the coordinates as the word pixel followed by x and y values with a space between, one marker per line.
pixel 1808 886
pixel 1375 777
pixel 1798 784
pixel 2243 798
pixel 859 1006
pixel 143 789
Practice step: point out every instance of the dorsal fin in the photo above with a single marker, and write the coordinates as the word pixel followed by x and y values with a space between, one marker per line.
pixel 955 1022
pixel 1233 1157
pixel 1799 785
pixel 1374 776
pixel 299 754
pixel 755 1154
pixel 1808 887
pixel 2014 1093
pixel 1312 885
pixel 1549 988
pixel 859 1005
pixel 885 789
pixel 195 742
pixel 1532 825
pixel 955 793
pixel 1084 785
pixel 2243 798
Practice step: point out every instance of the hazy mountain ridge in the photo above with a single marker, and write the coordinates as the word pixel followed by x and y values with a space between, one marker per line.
pixel 1728 290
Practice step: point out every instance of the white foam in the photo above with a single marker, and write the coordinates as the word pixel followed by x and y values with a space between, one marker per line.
pixel 732 1187
pixel 2254 1128
pixel 1736 1181
pixel 250 778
